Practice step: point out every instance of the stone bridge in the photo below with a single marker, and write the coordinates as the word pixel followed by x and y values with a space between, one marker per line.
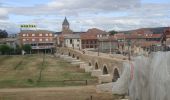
pixel 107 68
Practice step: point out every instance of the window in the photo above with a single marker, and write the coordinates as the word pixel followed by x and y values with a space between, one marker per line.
pixel 71 41
pixel 40 34
pixel 33 40
pixel 40 39
pixel 78 40
pixel 46 34
pixel 23 35
pixel 46 39
pixel 33 34
pixel 77 45
pixel 51 35
pixel 24 39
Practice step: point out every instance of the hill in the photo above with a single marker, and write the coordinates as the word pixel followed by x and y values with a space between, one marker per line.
pixel 157 30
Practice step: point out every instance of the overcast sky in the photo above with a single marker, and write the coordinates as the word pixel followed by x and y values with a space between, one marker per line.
pixel 84 14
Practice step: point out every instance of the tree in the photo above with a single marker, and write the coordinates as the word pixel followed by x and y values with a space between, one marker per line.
pixel 3 34
pixel 18 49
pixel 5 49
pixel 27 48
pixel 113 32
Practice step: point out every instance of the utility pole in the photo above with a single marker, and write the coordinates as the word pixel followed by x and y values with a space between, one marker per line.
pixel 110 46
pixel 129 55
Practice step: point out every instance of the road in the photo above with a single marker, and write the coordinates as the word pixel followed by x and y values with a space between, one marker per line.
pixel 54 93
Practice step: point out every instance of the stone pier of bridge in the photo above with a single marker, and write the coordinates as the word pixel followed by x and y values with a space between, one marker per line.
pixel 106 67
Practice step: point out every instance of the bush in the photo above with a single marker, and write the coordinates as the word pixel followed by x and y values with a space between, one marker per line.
pixel 5 49
pixel 18 50
pixel 27 48
pixel 30 81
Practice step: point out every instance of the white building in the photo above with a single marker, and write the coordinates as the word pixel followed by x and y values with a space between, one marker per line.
pixel 72 41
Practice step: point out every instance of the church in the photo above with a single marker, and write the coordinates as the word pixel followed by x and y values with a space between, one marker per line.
pixel 78 40
pixel 67 37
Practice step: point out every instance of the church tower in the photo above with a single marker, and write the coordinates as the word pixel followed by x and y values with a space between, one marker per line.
pixel 65 25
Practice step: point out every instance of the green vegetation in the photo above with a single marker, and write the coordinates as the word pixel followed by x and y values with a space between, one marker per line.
pixel 24 71
pixel 3 34
pixel 113 32
pixel 27 48
pixel 5 49
pixel 8 50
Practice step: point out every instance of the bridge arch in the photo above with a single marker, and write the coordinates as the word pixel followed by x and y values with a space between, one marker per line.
pixel 105 70
pixel 73 56
pixel 90 64
pixel 69 54
pixel 96 66
pixel 116 74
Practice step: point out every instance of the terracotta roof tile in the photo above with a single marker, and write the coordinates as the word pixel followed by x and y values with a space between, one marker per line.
pixel 92 33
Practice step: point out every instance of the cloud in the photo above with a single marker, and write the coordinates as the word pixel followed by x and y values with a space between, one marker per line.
pixel 68 7
pixel 3 14
pixel 93 4
pixel 85 14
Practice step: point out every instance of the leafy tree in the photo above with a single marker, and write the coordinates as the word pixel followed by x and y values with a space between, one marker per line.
pixel 5 49
pixel 11 50
pixel 18 49
pixel 3 34
pixel 113 32
pixel 27 48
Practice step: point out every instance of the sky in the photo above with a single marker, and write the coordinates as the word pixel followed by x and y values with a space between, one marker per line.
pixel 82 15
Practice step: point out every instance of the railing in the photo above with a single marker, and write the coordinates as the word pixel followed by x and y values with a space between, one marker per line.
pixel 42 47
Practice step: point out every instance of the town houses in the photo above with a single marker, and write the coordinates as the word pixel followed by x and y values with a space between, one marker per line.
pixel 95 39
pixel 135 42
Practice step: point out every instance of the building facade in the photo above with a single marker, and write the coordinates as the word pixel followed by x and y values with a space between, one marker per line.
pixel 12 42
pixel 40 40
pixel 90 38
pixel 72 41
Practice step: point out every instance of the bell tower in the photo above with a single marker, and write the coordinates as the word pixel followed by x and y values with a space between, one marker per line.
pixel 65 25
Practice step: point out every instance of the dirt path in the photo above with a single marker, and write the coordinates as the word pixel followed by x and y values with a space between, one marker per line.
pixel 55 93
pixel 46 89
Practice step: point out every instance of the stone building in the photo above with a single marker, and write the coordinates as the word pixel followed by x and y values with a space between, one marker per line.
pixel 90 38
pixel 72 41
pixel 12 42
pixel 67 37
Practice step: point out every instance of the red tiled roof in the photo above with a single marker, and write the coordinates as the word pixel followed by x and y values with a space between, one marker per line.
pixel 128 36
pixel 152 36
pixel 167 31
pixel 136 36
pixel 148 43
pixel 92 34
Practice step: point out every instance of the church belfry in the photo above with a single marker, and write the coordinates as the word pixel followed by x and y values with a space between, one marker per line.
pixel 65 25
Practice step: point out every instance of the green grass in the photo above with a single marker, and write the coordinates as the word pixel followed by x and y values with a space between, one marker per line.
pixel 24 71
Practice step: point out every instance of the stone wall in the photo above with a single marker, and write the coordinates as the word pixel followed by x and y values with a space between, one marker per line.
pixel 92 60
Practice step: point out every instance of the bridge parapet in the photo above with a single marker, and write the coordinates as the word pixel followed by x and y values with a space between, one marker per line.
pixel 96 62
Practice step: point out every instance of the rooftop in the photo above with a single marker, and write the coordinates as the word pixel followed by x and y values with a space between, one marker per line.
pixel 65 22
pixel 36 31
